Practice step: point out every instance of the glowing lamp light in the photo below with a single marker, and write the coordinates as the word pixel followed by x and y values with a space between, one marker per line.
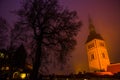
pixel 23 75
pixel 67 79
pixel 7 68
pixel 2 55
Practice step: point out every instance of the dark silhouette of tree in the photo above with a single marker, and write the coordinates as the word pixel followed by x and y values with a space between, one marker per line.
pixel 54 30
pixel 18 35
pixel 19 57
pixel 4 33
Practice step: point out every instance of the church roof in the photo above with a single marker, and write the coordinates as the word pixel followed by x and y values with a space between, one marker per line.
pixel 94 36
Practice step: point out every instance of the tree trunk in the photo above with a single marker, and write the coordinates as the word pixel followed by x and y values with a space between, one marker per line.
pixel 37 60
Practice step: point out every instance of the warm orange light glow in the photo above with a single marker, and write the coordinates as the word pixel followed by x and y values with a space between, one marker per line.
pixel 104 73
pixel 29 66
pixel 77 69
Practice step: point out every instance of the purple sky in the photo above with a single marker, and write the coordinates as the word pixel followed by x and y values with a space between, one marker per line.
pixel 106 18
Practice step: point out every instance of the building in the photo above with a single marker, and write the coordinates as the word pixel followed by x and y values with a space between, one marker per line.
pixel 114 68
pixel 96 50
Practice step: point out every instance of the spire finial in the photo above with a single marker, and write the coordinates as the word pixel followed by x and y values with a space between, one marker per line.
pixel 92 33
pixel 89 19
pixel 91 26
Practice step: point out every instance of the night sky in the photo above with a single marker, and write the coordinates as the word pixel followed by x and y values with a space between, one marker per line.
pixel 105 15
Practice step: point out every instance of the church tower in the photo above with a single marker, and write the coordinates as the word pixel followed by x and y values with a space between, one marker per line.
pixel 96 50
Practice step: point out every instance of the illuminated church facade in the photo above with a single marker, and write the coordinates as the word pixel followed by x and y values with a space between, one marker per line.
pixel 98 58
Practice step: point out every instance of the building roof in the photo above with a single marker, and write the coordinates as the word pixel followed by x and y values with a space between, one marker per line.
pixel 94 36
pixel 114 64
pixel 114 68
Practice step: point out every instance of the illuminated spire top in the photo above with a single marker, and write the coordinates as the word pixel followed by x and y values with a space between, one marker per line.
pixel 92 33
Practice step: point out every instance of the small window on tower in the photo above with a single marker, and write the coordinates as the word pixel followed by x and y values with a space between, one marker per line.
pixel 92 56
pixel 91 45
pixel 102 44
pixel 103 55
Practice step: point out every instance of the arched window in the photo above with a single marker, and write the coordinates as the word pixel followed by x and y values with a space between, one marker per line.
pixel 92 56
pixel 103 55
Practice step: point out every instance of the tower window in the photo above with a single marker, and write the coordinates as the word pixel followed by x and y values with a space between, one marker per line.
pixel 102 44
pixel 103 55
pixel 91 45
pixel 92 56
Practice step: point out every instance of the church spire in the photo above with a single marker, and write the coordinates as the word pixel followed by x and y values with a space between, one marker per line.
pixel 92 32
pixel 98 58
pixel 91 26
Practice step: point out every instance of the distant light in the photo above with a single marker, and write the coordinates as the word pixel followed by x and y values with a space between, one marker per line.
pixel 55 78
pixel 2 68
pixel 23 75
pixel 67 79
pixel 2 55
pixel 7 68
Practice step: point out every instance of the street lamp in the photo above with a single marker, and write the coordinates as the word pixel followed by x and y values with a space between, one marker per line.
pixel 23 75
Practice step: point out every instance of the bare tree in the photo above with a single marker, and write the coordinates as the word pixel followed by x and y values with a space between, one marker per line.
pixel 19 35
pixel 54 30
